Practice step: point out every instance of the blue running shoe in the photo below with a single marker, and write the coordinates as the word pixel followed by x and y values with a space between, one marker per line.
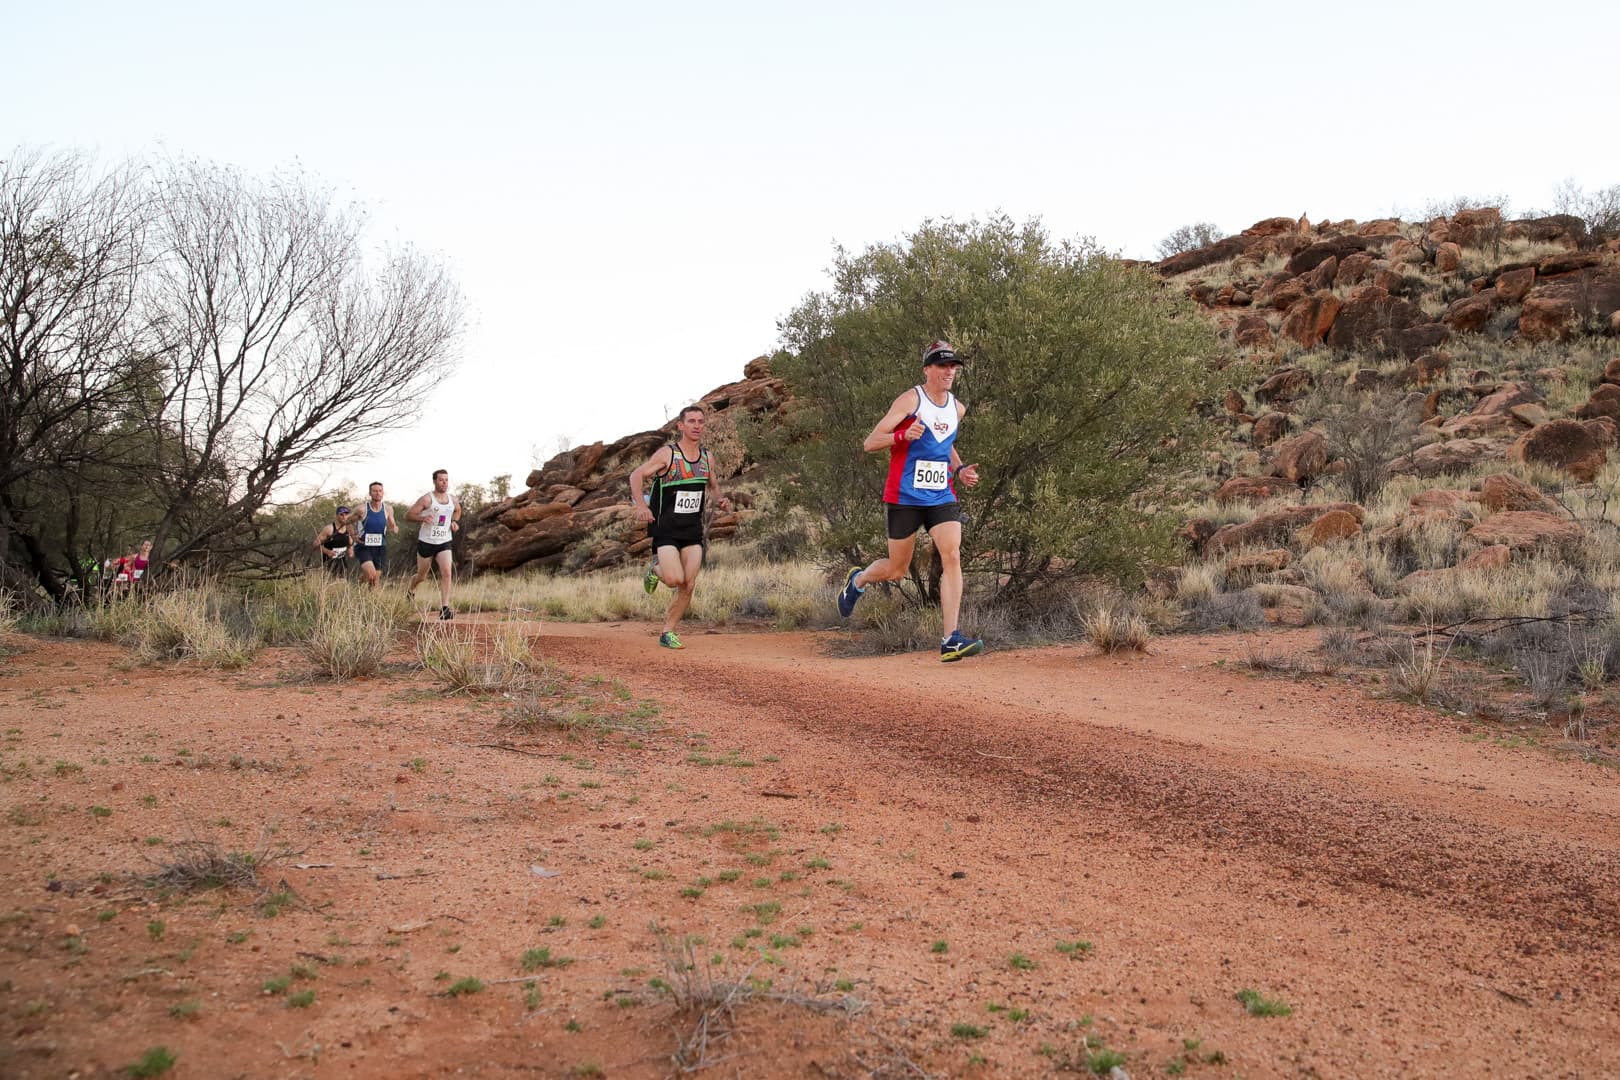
pixel 849 593
pixel 959 645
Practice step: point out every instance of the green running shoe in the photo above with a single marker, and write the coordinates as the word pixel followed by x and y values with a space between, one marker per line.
pixel 649 580
pixel 669 641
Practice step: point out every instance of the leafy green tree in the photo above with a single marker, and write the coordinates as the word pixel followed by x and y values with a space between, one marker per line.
pixel 1082 376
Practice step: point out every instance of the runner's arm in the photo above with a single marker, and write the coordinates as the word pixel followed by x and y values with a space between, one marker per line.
pixel 969 474
pixel 415 512
pixel 388 510
pixel 720 501
pixel 638 479
pixel 321 536
pixel 882 436
pixel 455 514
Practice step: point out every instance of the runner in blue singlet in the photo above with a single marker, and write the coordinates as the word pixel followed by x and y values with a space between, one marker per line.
pixel 377 519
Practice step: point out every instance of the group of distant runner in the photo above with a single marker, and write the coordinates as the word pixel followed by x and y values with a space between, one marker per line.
pixel 362 537
pixel 918 432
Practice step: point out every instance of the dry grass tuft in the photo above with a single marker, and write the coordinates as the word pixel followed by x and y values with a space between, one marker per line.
pixel 354 629
pixel 198 865
pixel 1113 630
pixel 705 1006
pixel 10 612
pixel 474 659
pixel 187 624
pixel 1416 669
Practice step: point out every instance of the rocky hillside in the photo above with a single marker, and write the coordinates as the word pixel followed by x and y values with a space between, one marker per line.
pixel 574 511
pixel 1491 339
pixel 1393 288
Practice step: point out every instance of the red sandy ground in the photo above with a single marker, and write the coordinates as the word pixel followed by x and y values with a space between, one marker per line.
pixel 1430 903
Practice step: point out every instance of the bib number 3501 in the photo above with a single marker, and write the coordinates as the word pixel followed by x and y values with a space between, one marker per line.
pixel 931 475
pixel 688 502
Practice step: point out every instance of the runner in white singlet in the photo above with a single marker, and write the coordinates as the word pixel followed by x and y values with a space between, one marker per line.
pixel 439 517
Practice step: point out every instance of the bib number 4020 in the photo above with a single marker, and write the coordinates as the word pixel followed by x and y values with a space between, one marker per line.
pixel 688 502
pixel 931 475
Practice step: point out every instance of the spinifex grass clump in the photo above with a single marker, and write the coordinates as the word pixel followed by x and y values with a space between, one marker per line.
pixel 477 658
pixel 193 622
pixel 354 629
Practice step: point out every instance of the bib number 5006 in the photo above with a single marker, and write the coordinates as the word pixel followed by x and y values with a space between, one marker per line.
pixel 931 475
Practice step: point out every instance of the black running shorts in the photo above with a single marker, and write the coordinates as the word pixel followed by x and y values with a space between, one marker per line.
pixel 428 551
pixel 376 556
pixel 680 543
pixel 904 521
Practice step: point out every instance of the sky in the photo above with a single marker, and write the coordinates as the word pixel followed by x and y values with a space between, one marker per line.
pixel 631 195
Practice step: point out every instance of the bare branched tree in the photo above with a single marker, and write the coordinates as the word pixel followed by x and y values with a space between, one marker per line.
pixel 1600 210
pixel 1367 431
pixel 280 349
pixel 185 341
pixel 1199 234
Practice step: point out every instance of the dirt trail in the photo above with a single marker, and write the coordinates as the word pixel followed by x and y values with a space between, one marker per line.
pixel 1215 759
pixel 917 837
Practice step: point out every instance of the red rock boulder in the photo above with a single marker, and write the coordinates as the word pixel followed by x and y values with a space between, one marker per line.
pixel 1309 320
pixel 1470 314
pixel 1300 458
pixel 1504 491
pixel 1473 228
pixel 1285 384
pixel 1369 314
pixel 1353 269
pixel 1268 429
pixel 1331 527
pixel 1252 331
pixel 1546 318
pixel 1605 401
pixel 1512 286
pixel 1276 527
pixel 1494 557
pixel 1528 530
pixel 1565 445
pixel 1251 489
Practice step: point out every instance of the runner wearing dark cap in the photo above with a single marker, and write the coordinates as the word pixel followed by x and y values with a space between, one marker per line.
pixel 334 542
pixel 919 432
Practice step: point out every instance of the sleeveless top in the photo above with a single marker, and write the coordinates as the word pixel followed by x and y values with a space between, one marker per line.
pixel 920 471
pixel 677 497
pixel 339 539
pixel 371 529
pixel 435 527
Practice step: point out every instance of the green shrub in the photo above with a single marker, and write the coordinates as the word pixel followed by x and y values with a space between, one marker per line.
pixel 1082 376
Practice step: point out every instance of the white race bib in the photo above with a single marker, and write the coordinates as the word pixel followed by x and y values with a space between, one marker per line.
pixel 689 502
pixel 373 539
pixel 931 475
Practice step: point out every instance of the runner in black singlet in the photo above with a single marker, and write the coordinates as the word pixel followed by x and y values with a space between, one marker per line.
pixel 683 483
pixel 335 543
